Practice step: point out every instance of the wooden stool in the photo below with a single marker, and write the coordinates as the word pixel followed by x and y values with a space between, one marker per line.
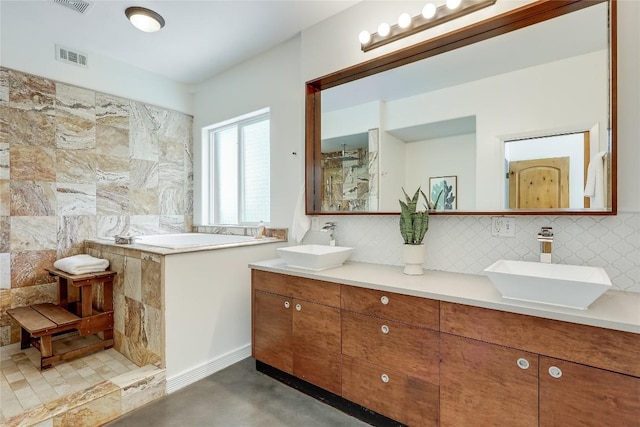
pixel 40 321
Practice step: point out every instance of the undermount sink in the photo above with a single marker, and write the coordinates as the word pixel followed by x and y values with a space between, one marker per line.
pixel 314 257
pixel 574 286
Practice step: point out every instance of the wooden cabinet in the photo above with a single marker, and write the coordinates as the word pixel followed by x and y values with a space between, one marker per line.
pixel 487 385
pixel 424 362
pixel 390 364
pixel 576 395
pixel 481 375
pixel 297 336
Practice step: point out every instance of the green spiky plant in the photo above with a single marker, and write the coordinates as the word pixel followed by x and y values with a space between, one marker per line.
pixel 414 223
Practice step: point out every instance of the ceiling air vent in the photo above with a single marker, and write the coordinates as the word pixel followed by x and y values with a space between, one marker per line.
pixel 71 56
pixel 77 5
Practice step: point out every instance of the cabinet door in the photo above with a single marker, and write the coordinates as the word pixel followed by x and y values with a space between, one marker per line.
pixel 483 384
pixel 272 330
pixel 578 395
pixel 316 345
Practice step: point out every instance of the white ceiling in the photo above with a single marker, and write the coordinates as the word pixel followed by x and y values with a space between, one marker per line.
pixel 200 38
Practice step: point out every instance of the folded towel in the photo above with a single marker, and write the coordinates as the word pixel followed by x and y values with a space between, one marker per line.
pixel 81 264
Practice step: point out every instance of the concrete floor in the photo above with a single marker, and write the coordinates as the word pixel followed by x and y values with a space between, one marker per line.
pixel 237 396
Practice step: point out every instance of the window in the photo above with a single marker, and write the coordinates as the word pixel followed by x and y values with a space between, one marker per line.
pixel 237 170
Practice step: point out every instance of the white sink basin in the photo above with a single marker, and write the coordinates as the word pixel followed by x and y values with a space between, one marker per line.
pixel 314 257
pixel 573 286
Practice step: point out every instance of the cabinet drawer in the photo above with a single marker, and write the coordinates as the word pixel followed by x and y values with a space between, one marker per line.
pixel 317 291
pixel 404 348
pixel 603 348
pixel 402 308
pixel 403 398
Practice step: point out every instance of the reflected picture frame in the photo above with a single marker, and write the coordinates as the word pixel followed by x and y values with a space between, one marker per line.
pixel 448 185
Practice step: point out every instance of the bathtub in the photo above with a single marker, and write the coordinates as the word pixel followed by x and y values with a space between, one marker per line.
pixel 190 240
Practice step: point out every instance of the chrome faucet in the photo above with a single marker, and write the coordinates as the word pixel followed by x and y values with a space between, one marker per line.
pixel 330 227
pixel 545 237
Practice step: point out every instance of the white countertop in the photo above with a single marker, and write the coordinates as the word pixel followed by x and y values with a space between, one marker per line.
pixel 168 251
pixel 614 310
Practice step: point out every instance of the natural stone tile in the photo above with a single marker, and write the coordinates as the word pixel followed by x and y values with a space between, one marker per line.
pixel 5 199
pixel 27 268
pixel 144 125
pixel 151 282
pixel 112 111
pixel 4 159
pixel 143 173
pixel 74 101
pixel 101 404
pixel 76 199
pixel 30 163
pixel 75 166
pixel 35 294
pixel 4 86
pixel 29 198
pixel 119 310
pixel 33 233
pixel 175 125
pixel 111 225
pixel 112 200
pixel 152 330
pixel 172 200
pixel 5 270
pixel 72 232
pixel 133 278
pixel 171 150
pixel 112 170
pixel 75 133
pixel 24 127
pixel 134 394
pixel 112 140
pixel 144 201
pixel 144 224
pixel 173 224
pixel 29 92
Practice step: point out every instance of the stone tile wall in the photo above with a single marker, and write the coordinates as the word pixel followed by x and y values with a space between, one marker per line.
pixel 78 164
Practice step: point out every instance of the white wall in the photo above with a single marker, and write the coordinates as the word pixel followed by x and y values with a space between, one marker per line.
pixel 28 54
pixel 207 297
pixel 269 80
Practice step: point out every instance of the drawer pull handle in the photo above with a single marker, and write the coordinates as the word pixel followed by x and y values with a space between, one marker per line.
pixel 523 363
pixel 384 378
pixel 298 307
pixel 384 300
pixel 384 329
pixel 555 372
pixel 286 304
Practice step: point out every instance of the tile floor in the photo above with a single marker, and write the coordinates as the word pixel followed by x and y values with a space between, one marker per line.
pixel 24 387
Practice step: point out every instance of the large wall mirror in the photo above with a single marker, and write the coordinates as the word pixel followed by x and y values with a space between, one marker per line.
pixel 514 115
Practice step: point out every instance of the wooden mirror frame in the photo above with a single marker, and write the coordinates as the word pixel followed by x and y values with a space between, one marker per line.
pixel 525 16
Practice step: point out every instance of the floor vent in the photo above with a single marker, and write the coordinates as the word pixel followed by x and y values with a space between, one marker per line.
pixel 71 56
pixel 77 5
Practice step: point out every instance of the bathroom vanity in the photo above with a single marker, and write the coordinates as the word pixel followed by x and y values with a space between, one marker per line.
pixel 444 348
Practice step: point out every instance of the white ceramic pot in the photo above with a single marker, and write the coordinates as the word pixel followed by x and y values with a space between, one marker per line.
pixel 414 256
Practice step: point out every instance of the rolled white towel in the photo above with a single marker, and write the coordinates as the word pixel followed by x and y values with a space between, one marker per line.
pixel 81 264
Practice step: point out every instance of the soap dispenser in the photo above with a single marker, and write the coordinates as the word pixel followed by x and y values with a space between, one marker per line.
pixel 261 230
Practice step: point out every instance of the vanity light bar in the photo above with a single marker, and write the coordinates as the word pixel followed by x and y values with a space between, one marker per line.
pixel 387 34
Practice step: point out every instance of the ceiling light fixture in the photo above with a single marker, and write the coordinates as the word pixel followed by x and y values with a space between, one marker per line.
pixel 144 19
pixel 430 17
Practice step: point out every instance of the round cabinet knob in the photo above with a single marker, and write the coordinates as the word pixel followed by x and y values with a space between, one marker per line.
pixel 384 329
pixel 523 363
pixel 555 372
pixel 287 304
pixel 384 378
pixel 384 300
pixel 298 307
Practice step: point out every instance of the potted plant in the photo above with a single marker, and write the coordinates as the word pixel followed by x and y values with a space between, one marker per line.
pixel 413 227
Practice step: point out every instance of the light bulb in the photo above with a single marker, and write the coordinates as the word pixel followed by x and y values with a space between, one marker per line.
pixel 384 29
pixel 404 20
pixel 364 37
pixel 429 11
pixel 453 4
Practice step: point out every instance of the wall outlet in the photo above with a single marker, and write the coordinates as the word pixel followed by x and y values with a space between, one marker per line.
pixel 503 226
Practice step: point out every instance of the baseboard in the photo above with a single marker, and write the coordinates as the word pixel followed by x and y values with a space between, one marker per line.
pixel 191 376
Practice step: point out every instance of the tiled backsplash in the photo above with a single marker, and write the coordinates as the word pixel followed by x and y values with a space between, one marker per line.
pixel 464 244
